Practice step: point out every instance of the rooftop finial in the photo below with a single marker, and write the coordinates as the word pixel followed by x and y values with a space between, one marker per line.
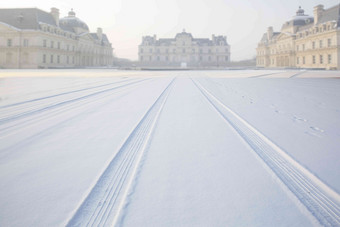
pixel 71 13
pixel 300 12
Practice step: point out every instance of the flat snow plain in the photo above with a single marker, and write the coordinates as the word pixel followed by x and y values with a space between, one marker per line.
pixel 169 148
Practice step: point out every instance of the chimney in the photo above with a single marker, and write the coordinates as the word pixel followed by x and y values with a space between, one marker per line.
pixel 100 33
pixel 318 10
pixel 270 32
pixel 55 14
pixel 154 37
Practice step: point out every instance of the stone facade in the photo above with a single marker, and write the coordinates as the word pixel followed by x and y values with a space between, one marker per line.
pixel 304 41
pixel 32 38
pixel 184 51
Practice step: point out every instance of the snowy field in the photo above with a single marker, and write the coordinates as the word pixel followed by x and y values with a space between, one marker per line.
pixel 169 148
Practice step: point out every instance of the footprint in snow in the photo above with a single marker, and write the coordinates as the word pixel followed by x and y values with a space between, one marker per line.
pixel 300 119
pixel 317 129
pixel 313 134
pixel 279 112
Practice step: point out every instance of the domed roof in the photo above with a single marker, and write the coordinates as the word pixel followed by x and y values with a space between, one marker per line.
pixel 300 15
pixel 71 22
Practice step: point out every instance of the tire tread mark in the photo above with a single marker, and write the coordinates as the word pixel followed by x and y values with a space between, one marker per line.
pixel 103 204
pixel 319 199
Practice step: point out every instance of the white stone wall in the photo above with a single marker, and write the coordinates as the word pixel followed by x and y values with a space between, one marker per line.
pixel 27 50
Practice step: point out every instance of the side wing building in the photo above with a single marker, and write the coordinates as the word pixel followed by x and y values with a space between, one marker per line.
pixel 304 41
pixel 32 38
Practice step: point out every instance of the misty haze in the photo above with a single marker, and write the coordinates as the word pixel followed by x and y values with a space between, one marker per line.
pixel 170 113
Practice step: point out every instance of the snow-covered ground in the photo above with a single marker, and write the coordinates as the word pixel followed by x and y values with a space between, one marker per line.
pixel 169 148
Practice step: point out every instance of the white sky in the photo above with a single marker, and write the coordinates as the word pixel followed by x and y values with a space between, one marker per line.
pixel 126 21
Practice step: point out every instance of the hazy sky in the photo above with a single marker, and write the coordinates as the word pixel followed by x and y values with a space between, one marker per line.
pixel 126 21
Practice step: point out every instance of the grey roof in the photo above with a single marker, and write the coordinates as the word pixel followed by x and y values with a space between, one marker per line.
pixel 183 34
pixel 70 22
pixel 203 41
pixel 26 18
pixel 331 14
pixel 168 41
pixel 30 18
pixel 299 21
pixel 105 40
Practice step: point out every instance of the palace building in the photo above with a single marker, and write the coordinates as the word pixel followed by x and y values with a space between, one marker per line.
pixel 32 38
pixel 304 41
pixel 184 51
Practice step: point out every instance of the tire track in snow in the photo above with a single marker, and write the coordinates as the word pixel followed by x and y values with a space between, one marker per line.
pixel 43 108
pixel 319 199
pixel 106 199
pixel 62 94
pixel 298 74
pixel 263 75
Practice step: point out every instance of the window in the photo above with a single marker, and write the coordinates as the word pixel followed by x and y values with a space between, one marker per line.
pixel 72 48
pixel 201 58
pixel 329 42
pixel 313 59
pixel 320 43
pixel 67 59
pixel 44 43
pixel 44 58
pixel 329 59
pixel 226 58
pixel 216 50
pixel 150 58
pixel 158 58
pixel 58 59
pixel 158 51
pixel 25 42
pixel 73 60
pixel 209 51
pixel 303 60
pixel 193 50
pixel 183 43
pixel 297 60
pixel 9 42
pixel 313 45
pixel 51 60
pixel 183 50
pixel 167 58
pixel 226 50
pixel 303 47
pixel 141 58
pixel 297 47
pixel 209 58
pixel 52 44
pixel 167 51
pixel 141 50
pixel 321 59
pixel 150 50
pixel 58 45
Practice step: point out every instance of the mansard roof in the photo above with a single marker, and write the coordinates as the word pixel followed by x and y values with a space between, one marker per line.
pixel 331 14
pixel 95 37
pixel 71 22
pixel 152 41
pixel 183 34
pixel 26 18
